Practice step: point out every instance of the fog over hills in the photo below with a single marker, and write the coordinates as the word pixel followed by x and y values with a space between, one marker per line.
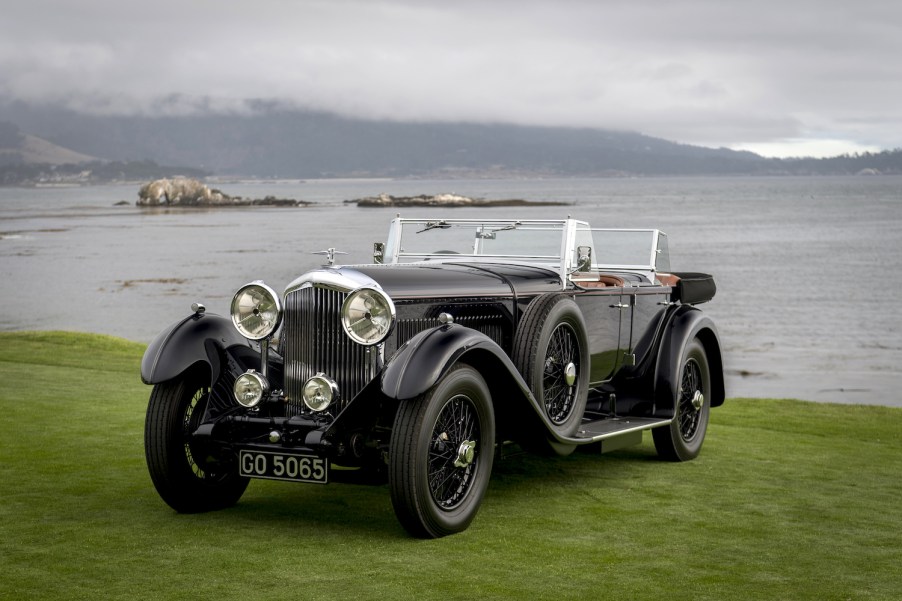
pixel 272 142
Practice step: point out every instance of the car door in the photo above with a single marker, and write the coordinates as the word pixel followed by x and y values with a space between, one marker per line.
pixel 647 308
pixel 605 311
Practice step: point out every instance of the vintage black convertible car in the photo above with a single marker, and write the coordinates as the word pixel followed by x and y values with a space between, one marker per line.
pixel 463 337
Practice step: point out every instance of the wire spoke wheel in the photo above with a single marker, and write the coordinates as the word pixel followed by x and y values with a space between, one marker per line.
pixel 561 362
pixel 452 466
pixel 193 414
pixel 551 352
pixel 683 439
pixel 690 388
pixel 441 453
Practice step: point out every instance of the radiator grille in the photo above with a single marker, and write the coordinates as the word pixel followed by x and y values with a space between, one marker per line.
pixel 315 342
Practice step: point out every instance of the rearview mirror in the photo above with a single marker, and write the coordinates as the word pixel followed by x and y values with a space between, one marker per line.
pixel 583 258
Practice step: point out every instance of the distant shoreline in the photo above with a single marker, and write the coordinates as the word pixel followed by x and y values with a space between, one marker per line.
pixel 182 192
pixel 447 201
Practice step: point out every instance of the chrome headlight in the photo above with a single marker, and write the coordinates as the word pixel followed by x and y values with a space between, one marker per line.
pixel 249 388
pixel 256 311
pixel 368 316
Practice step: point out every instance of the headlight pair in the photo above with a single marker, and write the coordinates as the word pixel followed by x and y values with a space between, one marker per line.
pixel 367 314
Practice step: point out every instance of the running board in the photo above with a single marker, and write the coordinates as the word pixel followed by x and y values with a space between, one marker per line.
pixel 602 429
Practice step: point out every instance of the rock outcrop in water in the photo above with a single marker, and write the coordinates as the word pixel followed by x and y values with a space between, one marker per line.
pixel 187 192
pixel 443 200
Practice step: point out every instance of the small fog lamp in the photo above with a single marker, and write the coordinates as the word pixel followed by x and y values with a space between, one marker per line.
pixel 320 392
pixel 250 388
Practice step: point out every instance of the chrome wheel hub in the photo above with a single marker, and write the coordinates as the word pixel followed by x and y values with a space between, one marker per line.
pixel 698 400
pixel 570 374
pixel 465 453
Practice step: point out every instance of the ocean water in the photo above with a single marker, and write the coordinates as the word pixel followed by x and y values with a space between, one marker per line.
pixel 807 269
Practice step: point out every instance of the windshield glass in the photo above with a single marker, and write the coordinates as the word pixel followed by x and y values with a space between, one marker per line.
pixel 507 239
pixel 626 248
pixel 563 244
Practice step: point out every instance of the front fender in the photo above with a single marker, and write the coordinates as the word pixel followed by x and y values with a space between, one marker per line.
pixel 198 338
pixel 425 358
pixel 686 324
pixel 421 362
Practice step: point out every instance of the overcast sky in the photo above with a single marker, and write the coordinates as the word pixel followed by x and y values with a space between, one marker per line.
pixel 779 77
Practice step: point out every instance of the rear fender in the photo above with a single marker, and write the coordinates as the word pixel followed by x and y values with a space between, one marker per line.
pixel 686 324
pixel 200 338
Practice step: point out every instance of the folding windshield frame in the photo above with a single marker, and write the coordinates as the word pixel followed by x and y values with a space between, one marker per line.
pixel 561 262
pixel 572 234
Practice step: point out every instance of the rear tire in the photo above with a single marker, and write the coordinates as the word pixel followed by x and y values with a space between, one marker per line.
pixel 185 478
pixel 441 454
pixel 682 440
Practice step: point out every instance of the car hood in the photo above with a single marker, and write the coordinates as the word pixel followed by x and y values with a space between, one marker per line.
pixel 422 280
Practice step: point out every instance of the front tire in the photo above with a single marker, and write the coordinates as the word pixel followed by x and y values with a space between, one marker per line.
pixel 682 440
pixel 441 453
pixel 185 478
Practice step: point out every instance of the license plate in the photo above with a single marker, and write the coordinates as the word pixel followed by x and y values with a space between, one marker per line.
pixel 283 466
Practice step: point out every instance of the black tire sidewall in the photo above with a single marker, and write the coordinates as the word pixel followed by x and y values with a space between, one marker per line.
pixel 669 441
pixel 414 505
pixel 167 462
pixel 696 352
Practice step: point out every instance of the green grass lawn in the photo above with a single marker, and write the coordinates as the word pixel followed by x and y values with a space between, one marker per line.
pixel 788 500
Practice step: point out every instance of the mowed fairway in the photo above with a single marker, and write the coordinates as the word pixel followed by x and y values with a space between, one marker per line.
pixel 788 500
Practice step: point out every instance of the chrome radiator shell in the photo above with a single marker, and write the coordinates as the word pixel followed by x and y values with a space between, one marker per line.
pixel 314 341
